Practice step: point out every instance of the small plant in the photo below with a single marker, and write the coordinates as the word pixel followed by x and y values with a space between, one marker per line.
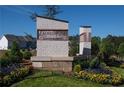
pixel 116 78
pixel 77 68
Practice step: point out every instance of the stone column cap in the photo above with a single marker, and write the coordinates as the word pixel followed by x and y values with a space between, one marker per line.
pixel 45 58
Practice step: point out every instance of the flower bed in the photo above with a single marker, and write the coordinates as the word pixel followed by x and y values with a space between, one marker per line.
pixel 114 78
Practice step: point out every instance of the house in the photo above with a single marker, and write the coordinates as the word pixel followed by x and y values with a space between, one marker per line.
pixel 24 42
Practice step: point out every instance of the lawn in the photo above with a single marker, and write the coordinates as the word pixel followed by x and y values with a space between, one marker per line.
pixel 49 79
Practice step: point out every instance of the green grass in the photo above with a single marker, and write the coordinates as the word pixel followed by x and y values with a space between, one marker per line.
pixel 48 79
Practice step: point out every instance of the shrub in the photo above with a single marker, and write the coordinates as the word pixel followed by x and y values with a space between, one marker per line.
pixel 15 52
pixel 102 65
pixel 122 65
pixel 15 75
pixel 7 80
pixel 27 55
pixel 77 68
pixel 4 61
pixel 94 63
pixel 113 62
pixel 85 64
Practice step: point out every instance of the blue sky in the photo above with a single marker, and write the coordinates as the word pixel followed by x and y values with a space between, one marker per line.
pixel 103 19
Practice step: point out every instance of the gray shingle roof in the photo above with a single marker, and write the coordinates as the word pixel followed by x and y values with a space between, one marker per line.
pixel 18 39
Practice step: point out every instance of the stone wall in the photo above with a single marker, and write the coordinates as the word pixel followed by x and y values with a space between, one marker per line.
pixel 54 66
pixel 52 48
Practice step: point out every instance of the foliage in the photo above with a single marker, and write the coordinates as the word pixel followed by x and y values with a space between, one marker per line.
pixel 51 11
pixel 102 65
pixel 15 75
pixel 27 54
pixel 95 45
pixel 15 52
pixel 121 50
pixel 107 49
pixel 77 68
pixel 83 63
pixel 52 80
pixel 122 65
pixel 112 62
pixel 95 63
pixel 12 56
pixel 99 78
pixel 4 61
pixel 7 80
pixel 114 79
pixel 73 45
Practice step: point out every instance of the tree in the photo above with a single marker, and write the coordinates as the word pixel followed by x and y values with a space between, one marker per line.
pixel 15 54
pixel 95 45
pixel 51 11
pixel 121 50
pixel 73 45
pixel 106 49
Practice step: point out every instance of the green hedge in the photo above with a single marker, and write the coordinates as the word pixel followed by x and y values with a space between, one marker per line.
pixel 14 76
pixel 114 79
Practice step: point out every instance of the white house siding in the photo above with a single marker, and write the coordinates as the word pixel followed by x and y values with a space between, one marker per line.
pixel 3 43
pixel 43 23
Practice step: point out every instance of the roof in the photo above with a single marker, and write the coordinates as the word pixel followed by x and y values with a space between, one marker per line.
pixel 18 39
pixel 53 19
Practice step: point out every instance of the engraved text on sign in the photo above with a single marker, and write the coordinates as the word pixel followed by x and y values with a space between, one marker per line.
pixel 52 35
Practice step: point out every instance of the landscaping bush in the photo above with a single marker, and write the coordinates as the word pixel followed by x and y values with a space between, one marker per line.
pixel 15 76
pixel 102 65
pixel 95 63
pixel 7 80
pixel 4 61
pixel 27 55
pixel 77 68
pixel 122 65
pixel 85 64
pixel 113 62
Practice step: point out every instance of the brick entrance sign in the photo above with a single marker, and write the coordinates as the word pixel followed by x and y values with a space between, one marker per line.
pixel 52 45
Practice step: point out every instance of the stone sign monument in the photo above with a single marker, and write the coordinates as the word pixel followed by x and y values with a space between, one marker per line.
pixel 85 41
pixel 52 45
